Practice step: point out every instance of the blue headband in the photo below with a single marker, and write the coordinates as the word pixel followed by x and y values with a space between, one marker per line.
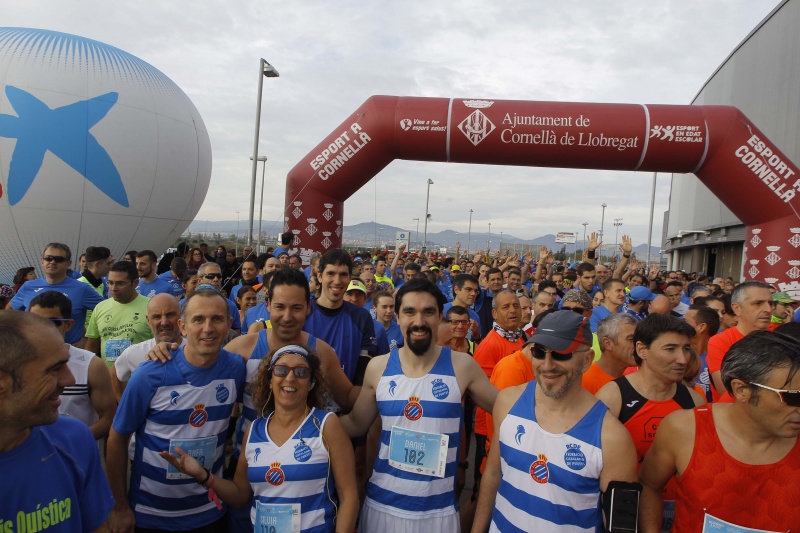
pixel 292 348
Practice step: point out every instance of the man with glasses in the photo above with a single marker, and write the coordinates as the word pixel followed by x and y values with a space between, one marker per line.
pixel 559 449
pixel 641 400
pixel 120 321
pixel 750 444
pixel 56 259
pixel 465 291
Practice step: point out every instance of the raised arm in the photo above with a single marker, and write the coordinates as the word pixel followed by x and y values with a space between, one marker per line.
pixel 625 248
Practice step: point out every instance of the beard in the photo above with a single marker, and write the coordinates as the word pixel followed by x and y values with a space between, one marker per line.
pixel 419 346
pixel 555 393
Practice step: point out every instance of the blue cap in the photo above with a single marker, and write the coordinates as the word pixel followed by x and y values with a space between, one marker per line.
pixel 641 293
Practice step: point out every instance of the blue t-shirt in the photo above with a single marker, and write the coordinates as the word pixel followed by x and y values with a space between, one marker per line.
pixel 598 314
pixel 54 481
pixel 348 330
pixel 176 401
pixel 280 250
pixel 381 338
pixel 447 289
pixel 82 295
pixel 235 292
pixel 258 313
pixel 394 335
pixel 177 286
pixel 157 286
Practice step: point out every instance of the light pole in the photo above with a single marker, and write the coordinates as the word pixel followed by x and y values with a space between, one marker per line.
pixel 469 232
pixel 264 69
pixel 489 239
pixel 427 215
pixel 416 240
pixel 380 238
pixel 617 224
pixel 500 246
pixel 237 234
pixel 263 159
pixel 602 222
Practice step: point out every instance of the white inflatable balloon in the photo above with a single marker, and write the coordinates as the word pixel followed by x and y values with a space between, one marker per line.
pixel 97 148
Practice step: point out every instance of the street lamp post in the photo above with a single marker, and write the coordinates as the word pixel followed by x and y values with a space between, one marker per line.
pixel 427 215
pixel 264 69
pixel 469 232
pixel 584 234
pixel 489 239
pixel 380 238
pixel 416 240
pixel 602 223
pixel 263 159
pixel 617 224
pixel 500 246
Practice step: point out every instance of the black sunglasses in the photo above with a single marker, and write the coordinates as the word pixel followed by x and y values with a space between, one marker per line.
pixel 282 371
pixel 540 353
pixel 54 259
pixel 212 276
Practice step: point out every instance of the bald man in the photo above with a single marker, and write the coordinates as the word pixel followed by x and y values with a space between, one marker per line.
pixel 163 313
pixel 660 305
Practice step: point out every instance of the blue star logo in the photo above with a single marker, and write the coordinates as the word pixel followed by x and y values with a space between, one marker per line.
pixel 64 131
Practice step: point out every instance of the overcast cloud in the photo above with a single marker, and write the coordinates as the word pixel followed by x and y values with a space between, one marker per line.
pixel 334 55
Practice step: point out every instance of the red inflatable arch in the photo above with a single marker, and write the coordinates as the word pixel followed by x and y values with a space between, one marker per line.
pixel 717 143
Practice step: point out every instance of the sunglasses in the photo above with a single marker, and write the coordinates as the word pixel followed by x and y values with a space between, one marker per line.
pixel 788 397
pixel 212 276
pixel 301 372
pixel 459 322
pixel 540 353
pixel 54 259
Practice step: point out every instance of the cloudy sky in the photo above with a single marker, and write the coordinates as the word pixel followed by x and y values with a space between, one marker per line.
pixel 334 55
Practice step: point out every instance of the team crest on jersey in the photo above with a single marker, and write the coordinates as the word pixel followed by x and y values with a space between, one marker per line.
pixel 440 389
pixel 539 471
pixel 222 393
pixel 302 452
pixel 413 409
pixel 574 457
pixel 275 474
pixel 198 416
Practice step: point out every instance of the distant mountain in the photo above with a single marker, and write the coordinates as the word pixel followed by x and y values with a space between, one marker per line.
pixel 369 234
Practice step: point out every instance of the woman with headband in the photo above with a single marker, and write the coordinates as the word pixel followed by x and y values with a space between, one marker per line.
pixel 288 463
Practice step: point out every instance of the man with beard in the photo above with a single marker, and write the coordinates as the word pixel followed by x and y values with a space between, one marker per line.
pixel 559 447
pixel 149 282
pixel 417 390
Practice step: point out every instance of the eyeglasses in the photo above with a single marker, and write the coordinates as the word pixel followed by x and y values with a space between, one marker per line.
pixel 54 259
pixel 460 322
pixel 212 276
pixel 579 310
pixel 58 321
pixel 301 372
pixel 788 397
pixel 539 353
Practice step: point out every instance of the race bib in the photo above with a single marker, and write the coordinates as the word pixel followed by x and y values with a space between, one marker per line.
pixel 114 347
pixel 715 525
pixel 277 518
pixel 202 450
pixel 418 452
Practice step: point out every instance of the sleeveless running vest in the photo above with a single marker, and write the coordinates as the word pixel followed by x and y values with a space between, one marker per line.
pixel 431 403
pixel 550 482
pixel 755 496
pixel 75 400
pixel 296 472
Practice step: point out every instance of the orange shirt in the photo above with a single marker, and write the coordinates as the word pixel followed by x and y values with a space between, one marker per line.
pixel 509 372
pixel 718 346
pixel 753 496
pixel 594 378
pixel 488 353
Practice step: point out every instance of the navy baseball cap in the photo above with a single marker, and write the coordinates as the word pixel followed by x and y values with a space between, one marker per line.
pixel 563 332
